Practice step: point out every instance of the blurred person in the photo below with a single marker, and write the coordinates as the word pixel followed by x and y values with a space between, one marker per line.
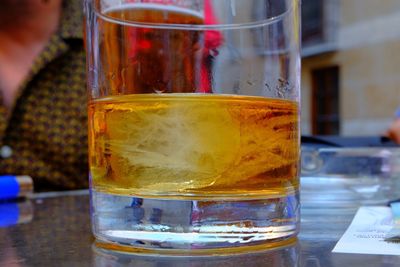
pixel 43 121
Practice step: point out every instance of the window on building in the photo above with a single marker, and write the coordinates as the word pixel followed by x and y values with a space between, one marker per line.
pixel 325 101
pixel 320 20
pixel 312 22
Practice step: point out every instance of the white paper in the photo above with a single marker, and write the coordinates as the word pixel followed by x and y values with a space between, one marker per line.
pixel 367 232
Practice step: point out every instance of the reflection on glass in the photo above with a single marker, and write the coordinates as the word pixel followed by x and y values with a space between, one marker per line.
pixel 12 213
pixel 287 256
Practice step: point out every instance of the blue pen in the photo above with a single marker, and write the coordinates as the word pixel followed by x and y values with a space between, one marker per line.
pixel 13 187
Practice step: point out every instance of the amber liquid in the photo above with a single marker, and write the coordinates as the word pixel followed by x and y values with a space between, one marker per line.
pixel 139 59
pixel 194 145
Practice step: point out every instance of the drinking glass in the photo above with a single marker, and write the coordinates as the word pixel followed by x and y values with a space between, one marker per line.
pixel 193 124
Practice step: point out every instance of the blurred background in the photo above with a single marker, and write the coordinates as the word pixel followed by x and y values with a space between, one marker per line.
pixel 350 66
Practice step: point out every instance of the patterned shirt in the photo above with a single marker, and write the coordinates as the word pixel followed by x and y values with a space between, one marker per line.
pixel 45 136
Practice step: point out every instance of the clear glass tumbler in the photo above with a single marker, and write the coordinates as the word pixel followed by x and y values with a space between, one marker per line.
pixel 193 124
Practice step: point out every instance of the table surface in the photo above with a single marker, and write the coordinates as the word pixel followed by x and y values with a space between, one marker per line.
pixel 58 231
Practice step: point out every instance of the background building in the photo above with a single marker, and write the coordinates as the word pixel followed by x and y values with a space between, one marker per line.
pixel 350 66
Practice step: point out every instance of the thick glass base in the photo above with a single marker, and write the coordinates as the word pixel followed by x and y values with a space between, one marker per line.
pixel 178 226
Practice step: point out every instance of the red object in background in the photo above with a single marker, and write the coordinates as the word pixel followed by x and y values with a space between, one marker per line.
pixel 163 2
pixel 212 40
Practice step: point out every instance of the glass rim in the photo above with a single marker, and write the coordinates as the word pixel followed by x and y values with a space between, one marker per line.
pixel 191 27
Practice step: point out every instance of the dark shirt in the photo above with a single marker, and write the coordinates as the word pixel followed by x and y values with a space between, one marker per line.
pixel 45 136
